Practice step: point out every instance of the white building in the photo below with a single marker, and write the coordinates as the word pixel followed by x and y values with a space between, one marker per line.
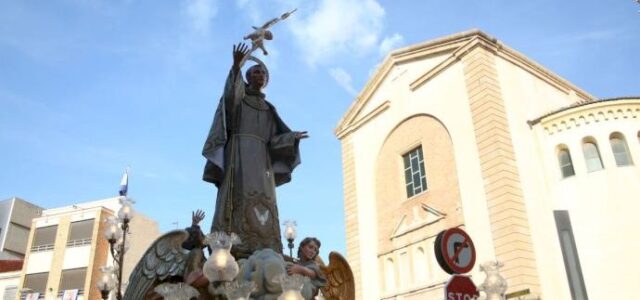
pixel 464 131
pixel 15 224
pixel 67 247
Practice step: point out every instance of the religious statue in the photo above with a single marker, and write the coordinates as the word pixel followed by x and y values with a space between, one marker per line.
pixel 307 266
pixel 249 152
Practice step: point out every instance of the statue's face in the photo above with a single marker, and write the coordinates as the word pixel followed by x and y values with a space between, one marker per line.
pixel 309 251
pixel 257 77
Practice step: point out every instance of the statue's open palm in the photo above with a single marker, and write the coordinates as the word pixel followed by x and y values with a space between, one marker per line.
pixel 196 217
pixel 239 52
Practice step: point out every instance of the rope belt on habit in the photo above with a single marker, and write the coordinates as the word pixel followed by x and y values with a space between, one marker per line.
pixel 251 136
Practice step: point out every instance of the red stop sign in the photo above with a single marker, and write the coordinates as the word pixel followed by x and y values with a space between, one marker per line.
pixel 460 287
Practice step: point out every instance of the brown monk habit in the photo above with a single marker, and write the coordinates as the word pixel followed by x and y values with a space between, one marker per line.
pixel 249 151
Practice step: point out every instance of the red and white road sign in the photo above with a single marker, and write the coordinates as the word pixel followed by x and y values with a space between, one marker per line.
pixel 455 251
pixel 460 287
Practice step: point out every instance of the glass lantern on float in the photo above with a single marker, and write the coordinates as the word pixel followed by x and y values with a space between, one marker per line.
pixel 237 290
pixel 290 234
pixel 291 286
pixel 107 282
pixel 112 232
pixel 115 232
pixel 124 243
pixel 221 265
pixel 125 214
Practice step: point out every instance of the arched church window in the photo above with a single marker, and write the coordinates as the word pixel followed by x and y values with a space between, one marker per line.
pixel 414 172
pixel 566 165
pixel 389 275
pixel 620 149
pixel 420 265
pixel 405 270
pixel 591 154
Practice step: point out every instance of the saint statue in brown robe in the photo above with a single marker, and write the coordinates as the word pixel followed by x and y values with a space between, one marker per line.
pixel 249 152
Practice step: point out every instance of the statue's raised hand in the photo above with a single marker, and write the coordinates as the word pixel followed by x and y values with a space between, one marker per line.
pixel 239 52
pixel 196 217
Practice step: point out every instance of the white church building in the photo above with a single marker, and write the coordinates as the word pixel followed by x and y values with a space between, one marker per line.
pixel 464 131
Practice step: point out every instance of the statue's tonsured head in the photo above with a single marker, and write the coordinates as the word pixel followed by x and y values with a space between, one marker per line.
pixel 257 76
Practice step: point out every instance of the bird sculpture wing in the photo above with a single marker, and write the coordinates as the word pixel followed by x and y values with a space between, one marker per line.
pixel 164 258
pixel 269 23
pixel 273 21
pixel 340 282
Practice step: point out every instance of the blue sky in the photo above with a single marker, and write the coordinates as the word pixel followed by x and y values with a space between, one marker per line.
pixel 88 87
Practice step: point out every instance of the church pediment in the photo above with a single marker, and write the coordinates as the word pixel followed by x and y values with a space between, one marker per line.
pixel 451 48
pixel 421 216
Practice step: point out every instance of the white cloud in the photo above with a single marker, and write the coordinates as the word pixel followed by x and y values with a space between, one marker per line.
pixel 390 43
pixel 338 26
pixel 251 8
pixel 343 79
pixel 200 14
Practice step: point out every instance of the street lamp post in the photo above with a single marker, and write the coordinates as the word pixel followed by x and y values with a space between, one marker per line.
pixel 290 234
pixel 116 233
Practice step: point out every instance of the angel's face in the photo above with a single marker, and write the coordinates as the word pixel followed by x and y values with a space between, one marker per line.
pixel 309 251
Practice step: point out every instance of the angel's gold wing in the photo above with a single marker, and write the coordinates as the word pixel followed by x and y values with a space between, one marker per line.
pixel 340 282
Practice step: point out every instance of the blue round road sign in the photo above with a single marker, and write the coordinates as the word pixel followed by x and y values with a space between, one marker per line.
pixel 455 251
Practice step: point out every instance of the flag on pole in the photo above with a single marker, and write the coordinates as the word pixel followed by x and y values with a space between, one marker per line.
pixel 124 183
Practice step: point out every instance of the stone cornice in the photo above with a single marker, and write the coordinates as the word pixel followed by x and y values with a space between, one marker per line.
pixel 376 111
pixel 600 111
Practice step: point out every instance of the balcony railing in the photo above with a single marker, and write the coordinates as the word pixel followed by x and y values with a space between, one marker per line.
pixel 80 292
pixel 23 296
pixel 40 248
pixel 78 243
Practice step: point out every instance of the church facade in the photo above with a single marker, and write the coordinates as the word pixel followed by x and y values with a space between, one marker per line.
pixel 464 131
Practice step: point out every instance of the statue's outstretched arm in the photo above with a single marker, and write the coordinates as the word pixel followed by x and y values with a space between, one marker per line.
pixel 234 88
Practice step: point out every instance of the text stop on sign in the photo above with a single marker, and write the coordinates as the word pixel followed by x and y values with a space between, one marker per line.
pixel 460 287
pixel 460 296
